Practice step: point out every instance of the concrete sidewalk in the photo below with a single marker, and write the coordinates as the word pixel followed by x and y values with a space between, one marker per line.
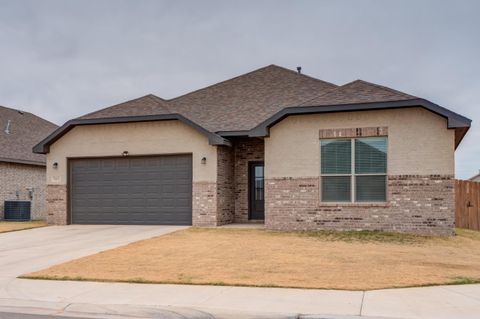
pixel 220 302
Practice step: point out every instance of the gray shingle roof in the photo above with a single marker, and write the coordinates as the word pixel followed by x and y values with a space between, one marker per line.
pixel 475 178
pixel 145 105
pixel 249 104
pixel 232 105
pixel 24 131
pixel 245 101
pixel 358 91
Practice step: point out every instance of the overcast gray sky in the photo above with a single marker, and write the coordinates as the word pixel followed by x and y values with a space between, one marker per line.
pixel 61 59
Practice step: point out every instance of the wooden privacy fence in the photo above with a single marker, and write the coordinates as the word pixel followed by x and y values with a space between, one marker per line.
pixel 467 204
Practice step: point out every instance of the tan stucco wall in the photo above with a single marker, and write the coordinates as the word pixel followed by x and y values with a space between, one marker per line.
pixel 145 138
pixel 418 142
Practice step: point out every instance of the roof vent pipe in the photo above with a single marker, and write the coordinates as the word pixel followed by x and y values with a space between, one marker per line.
pixel 7 129
pixel 299 69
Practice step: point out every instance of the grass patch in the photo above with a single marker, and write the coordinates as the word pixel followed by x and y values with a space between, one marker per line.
pixel 363 236
pixel 259 258
pixel 9 226
pixel 464 281
pixel 366 237
pixel 467 233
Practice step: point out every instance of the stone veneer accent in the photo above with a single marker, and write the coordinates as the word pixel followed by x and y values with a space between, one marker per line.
pixel 18 178
pixel 416 204
pixel 246 150
pixel 57 204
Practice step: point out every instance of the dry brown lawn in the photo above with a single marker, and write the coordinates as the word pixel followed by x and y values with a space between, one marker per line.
pixel 247 257
pixel 6 227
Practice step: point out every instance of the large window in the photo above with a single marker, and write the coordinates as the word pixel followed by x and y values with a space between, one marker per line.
pixel 354 170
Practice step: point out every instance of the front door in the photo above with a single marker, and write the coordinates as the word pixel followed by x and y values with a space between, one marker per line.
pixel 256 193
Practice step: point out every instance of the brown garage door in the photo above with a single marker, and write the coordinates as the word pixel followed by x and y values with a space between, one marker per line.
pixel 151 190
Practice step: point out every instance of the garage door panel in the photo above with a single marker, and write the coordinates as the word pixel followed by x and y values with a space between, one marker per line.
pixel 132 190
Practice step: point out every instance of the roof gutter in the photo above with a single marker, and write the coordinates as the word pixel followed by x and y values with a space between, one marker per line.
pixel 44 146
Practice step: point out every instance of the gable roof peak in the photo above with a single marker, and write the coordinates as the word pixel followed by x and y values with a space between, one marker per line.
pixel 300 74
pixel 11 109
pixel 155 97
pixel 356 81
pixel 357 92
pixel 378 86
pixel 149 102
pixel 22 113
pixel 271 68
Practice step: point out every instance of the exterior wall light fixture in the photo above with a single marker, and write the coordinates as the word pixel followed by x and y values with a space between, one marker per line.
pixel 125 153
pixel 55 165
pixel 204 160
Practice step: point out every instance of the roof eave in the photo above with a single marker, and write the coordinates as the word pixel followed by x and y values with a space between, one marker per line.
pixel 44 146
pixel 22 161
pixel 242 133
pixel 454 120
pixel 474 177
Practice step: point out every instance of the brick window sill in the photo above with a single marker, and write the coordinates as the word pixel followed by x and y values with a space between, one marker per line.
pixel 383 204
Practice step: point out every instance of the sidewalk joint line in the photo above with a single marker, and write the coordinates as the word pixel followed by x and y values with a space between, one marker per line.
pixel 460 293
pixel 62 310
pixel 361 304
pixel 215 294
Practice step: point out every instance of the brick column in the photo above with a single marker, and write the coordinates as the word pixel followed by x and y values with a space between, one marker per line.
pixel 204 204
pixel 57 204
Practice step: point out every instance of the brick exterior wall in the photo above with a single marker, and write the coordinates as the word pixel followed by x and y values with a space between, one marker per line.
pixel 246 150
pixel 19 178
pixel 225 185
pixel 57 204
pixel 226 201
pixel 416 204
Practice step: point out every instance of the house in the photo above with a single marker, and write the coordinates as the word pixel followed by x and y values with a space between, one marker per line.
pixel 22 172
pixel 475 178
pixel 272 146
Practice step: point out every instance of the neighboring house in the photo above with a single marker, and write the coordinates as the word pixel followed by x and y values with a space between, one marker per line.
pixel 475 178
pixel 22 172
pixel 272 146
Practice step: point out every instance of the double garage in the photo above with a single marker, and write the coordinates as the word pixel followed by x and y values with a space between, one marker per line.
pixel 143 190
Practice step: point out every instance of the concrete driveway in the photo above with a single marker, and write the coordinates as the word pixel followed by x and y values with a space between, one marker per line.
pixel 30 250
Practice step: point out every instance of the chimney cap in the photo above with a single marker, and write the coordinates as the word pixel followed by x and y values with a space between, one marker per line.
pixel 299 69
